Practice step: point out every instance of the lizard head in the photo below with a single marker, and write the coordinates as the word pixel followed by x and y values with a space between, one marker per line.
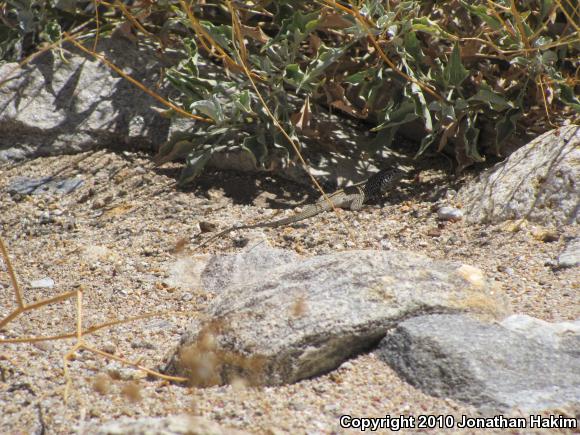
pixel 388 177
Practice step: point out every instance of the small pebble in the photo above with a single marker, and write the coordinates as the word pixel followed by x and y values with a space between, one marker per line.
pixel 545 235
pixel 433 232
pixel 449 214
pixel 452 240
pixel 69 223
pixel 386 245
pixel 42 283
pixel 45 218
pixel 507 270
pixel 450 194
pixel 109 348
pixel 206 227
pixel 142 344
pixel 89 193
pixel 98 203
pixel 44 346
pixel 348 365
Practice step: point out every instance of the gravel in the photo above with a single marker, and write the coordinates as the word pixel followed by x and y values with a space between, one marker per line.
pixel 118 237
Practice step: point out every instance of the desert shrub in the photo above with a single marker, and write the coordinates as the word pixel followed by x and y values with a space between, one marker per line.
pixel 468 74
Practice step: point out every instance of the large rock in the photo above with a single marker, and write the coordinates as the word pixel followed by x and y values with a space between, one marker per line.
pixel 51 107
pixel 539 182
pixel 279 321
pixel 483 364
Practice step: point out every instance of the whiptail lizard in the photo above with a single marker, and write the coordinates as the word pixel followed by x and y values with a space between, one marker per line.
pixel 351 197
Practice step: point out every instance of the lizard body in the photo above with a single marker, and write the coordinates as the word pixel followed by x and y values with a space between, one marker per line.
pixel 351 197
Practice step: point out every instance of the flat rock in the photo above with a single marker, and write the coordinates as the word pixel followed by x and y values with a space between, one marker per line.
pixel 280 321
pixel 483 364
pixel 172 425
pixel 539 182
pixel 38 186
pixel 570 256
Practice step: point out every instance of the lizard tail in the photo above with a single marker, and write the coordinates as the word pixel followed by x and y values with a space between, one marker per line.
pixel 309 212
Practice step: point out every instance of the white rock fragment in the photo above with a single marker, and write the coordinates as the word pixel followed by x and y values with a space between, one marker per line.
pixel 449 214
pixel 42 283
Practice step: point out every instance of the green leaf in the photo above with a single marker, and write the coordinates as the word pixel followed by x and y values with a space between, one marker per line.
pixel 495 101
pixel 421 107
pixel 521 60
pixel 210 108
pixel 191 48
pixel 66 5
pixel 413 46
pixel 545 7
pixel 256 148
pixel 481 12
pixel 221 34
pixel 542 40
pixel 426 143
pixel 505 127
pixel 460 105
pixel 471 140
pixel 425 25
pixel 382 140
pixel 372 8
pixel 404 113
pixel 324 58
pixel 446 109
pixel 297 27
pixel 568 97
pixel 294 74
pixel 549 57
pixel 195 163
pixel 361 76
pixel 454 72
pixel 243 101
pixel 52 31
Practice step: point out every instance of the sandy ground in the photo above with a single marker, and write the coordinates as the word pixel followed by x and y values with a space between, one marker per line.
pixel 118 238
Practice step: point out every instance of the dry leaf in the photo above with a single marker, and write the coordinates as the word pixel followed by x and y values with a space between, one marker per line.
pixel 314 41
pixel 302 119
pixel 334 92
pixel 332 20
pixel 255 33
